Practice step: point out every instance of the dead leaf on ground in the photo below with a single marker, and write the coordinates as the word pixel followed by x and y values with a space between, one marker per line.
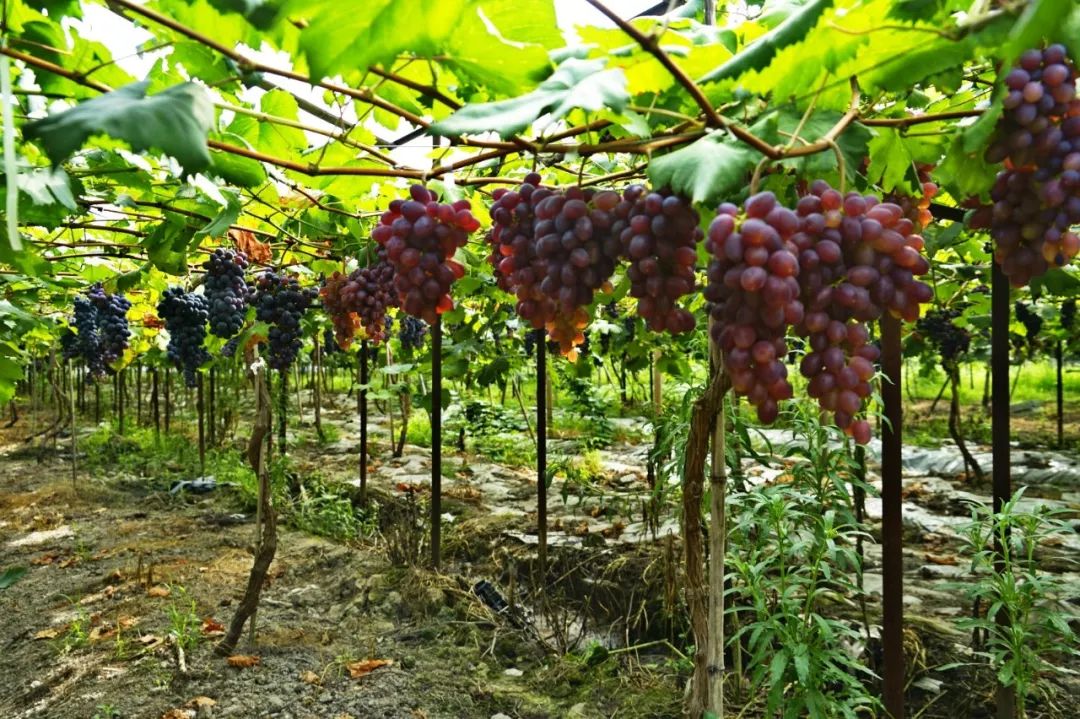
pixel 50 633
pixel 200 702
pixel 176 714
pixel 244 661
pixel 941 559
pixel 158 591
pixel 310 677
pixel 43 560
pixel 211 626
pixel 366 666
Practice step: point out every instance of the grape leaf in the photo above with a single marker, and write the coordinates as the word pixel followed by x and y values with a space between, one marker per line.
pixel 584 84
pixel 705 171
pixel 761 52
pixel 890 161
pixel 339 37
pixel 175 121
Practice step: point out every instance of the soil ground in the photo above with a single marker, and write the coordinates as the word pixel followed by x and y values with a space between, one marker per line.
pixel 121 572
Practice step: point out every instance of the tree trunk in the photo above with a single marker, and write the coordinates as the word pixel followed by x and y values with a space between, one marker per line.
pixel 267 544
pixel 704 413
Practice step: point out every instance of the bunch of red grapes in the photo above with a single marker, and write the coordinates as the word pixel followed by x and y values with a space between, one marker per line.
pixel 420 236
pixel 554 249
pixel 360 299
pixel 825 269
pixel 1037 196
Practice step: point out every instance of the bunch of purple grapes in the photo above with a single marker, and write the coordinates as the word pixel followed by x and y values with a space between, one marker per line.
pixel 185 315
pixel 660 239
pixel 420 237
pixel 226 291
pixel 518 268
pixel 1036 198
pixel 281 302
pixel 360 298
pixel 101 330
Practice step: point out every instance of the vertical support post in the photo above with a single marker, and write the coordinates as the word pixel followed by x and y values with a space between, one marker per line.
pixel 138 394
pixel 202 433
pixel 156 403
pixel 168 403
pixel 121 385
pixel 436 442
pixel 541 449
pixel 212 414
pixel 74 441
pixel 892 561
pixel 362 399
pixel 1059 357
pixel 1000 316
pixel 283 408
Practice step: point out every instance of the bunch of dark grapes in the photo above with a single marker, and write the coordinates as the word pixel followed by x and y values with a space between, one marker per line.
pixel 660 239
pixel 754 297
pixel 518 268
pixel 226 291
pixel 950 340
pixel 1036 198
pixel 578 249
pixel 280 301
pixel 1068 313
pixel 1031 321
pixel 412 333
pixel 185 315
pixel 69 344
pixel 113 330
pixel 360 299
pixel 230 347
pixel 420 236
pixel 330 345
pixel 86 325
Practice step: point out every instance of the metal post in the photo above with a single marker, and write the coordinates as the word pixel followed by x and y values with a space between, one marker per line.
pixel 1000 316
pixel 541 448
pixel 202 434
pixel 892 561
pixel 363 421
pixel 436 440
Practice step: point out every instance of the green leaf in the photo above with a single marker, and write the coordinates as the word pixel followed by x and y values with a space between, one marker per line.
pixel 584 84
pixel 11 575
pixel 761 52
pixel 175 121
pixel 237 170
pixel 167 246
pixel 707 170
pixel 1040 20
pixel 259 13
pixel 890 161
pixel 340 37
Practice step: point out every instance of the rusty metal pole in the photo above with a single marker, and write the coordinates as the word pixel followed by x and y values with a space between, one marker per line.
pixel 892 560
pixel 1000 316
pixel 541 449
